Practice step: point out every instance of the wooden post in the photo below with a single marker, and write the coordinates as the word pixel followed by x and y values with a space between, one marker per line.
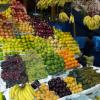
pixel 53 12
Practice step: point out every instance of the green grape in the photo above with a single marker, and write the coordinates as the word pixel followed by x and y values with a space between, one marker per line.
pixel 35 67
pixel 87 76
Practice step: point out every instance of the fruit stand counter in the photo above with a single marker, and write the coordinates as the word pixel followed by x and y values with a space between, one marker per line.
pixel 88 94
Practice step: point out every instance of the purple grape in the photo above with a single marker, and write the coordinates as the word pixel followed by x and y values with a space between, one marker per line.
pixel 13 70
pixel 59 86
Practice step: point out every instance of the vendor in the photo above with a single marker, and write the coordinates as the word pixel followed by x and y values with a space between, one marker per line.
pixel 89 46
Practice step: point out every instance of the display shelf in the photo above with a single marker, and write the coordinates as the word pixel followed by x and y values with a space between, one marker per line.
pixel 91 90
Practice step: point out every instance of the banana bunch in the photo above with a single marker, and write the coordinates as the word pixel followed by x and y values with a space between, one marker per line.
pixel 22 93
pixel 63 17
pixel 7 13
pixel 4 1
pixel 97 19
pixel 92 23
pixel 43 4
pixel 62 2
pixel 71 19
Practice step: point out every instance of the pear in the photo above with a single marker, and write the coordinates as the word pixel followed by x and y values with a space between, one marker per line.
pixel 2 96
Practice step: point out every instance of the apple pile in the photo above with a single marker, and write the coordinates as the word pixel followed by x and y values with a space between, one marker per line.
pixel 62 40
pixel 21 19
pixel 42 28
pixel 26 42
pixel 18 44
pixel 6 30
pixel 18 11
pixel 7 13
pixel 40 45
pixel 24 27
pixel 11 46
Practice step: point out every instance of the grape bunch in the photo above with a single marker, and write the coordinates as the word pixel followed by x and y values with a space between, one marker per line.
pixel 34 65
pixel 13 71
pixel 59 86
pixel 42 28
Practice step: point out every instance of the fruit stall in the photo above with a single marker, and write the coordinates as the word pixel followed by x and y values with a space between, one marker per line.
pixel 41 62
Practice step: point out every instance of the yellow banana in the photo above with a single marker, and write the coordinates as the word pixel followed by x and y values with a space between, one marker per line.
pixel 29 91
pixel 24 95
pixel 30 88
pixel 86 19
pixel 17 94
pixel 61 2
pixel 63 17
pixel 71 20
pixel 21 95
pixel 47 3
pixel 92 22
pixel 97 19
pixel 12 92
pixel 27 95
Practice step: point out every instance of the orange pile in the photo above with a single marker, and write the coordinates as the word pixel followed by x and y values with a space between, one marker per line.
pixel 69 59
